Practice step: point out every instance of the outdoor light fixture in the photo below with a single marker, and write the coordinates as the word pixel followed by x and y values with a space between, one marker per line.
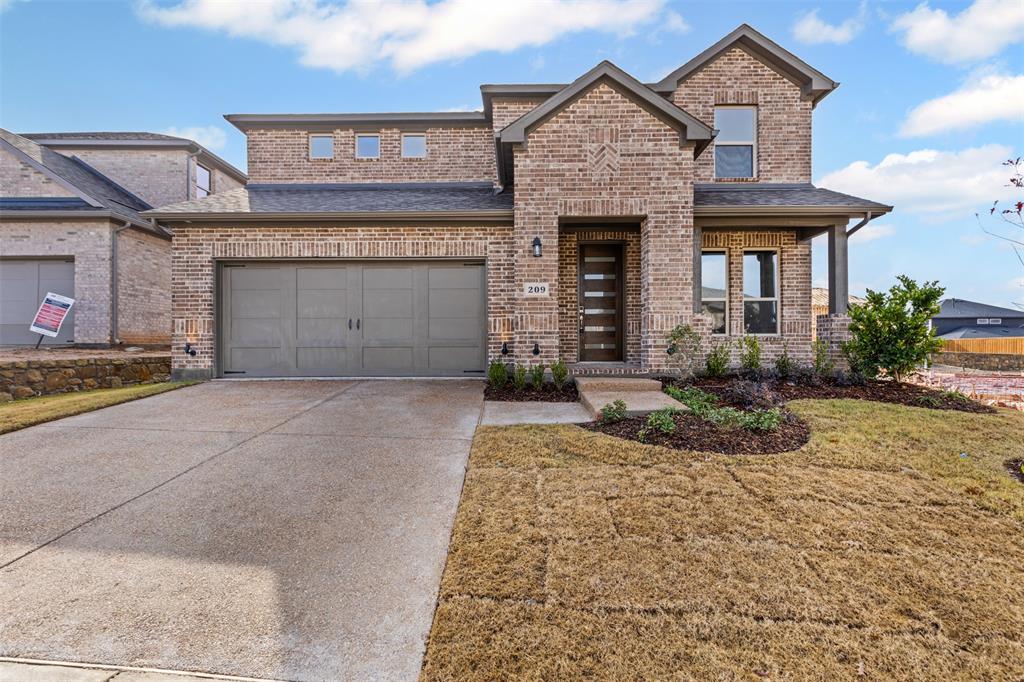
pixel 504 347
pixel 536 247
pixel 536 349
pixel 189 350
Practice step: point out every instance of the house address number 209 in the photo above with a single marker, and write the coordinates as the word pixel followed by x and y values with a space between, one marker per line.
pixel 535 289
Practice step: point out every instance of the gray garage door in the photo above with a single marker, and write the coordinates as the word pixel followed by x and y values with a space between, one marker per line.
pixel 352 319
pixel 23 283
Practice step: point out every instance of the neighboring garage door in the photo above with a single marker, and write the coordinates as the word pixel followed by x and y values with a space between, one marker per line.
pixel 352 319
pixel 23 283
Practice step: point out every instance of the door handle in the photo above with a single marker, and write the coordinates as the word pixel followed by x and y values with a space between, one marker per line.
pixel 357 323
pixel 350 323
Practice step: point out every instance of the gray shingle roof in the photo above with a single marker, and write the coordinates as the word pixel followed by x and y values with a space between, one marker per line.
pixel 102 136
pixel 778 195
pixel 957 307
pixel 84 178
pixel 996 332
pixel 347 198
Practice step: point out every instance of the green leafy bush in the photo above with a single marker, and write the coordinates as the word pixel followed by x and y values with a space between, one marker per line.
pixel 823 364
pixel 755 420
pixel 497 375
pixel 613 412
pixel 519 377
pixel 537 376
pixel 890 330
pixel 684 349
pixel 785 366
pixel 559 374
pixel 699 402
pixel 750 353
pixel 662 420
pixel 717 363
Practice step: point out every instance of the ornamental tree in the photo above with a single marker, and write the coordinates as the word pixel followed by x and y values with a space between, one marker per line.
pixel 891 331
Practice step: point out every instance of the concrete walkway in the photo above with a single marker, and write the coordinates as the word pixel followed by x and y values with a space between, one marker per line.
pixel 286 530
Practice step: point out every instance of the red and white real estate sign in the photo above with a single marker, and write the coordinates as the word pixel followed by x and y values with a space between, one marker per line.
pixel 51 314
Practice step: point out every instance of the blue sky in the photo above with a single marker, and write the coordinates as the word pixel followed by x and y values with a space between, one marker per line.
pixel 931 101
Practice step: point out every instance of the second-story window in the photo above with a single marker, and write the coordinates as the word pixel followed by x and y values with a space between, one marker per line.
pixel 367 146
pixel 414 146
pixel 736 142
pixel 202 181
pixel 321 147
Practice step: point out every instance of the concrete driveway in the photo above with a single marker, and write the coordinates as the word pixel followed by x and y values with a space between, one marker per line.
pixel 272 529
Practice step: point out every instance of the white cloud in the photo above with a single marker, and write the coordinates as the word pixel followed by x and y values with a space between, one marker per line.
pixel 995 97
pixel 978 32
pixel 871 232
pixel 406 34
pixel 812 30
pixel 675 23
pixel 943 184
pixel 8 4
pixel 211 137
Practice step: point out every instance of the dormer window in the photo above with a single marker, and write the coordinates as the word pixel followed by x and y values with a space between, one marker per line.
pixel 367 146
pixel 203 186
pixel 736 142
pixel 414 146
pixel 321 147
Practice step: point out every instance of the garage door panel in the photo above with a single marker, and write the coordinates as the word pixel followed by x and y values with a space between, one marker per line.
pixel 327 360
pixel 387 303
pixel 450 328
pixel 322 303
pixel 454 358
pixel 378 277
pixel 256 303
pixel 456 277
pixel 255 332
pixel 387 330
pixel 321 332
pixel 388 360
pixel 255 277
pixel 23 284
pixel 246 359
pixel 322 278
pixel 455 303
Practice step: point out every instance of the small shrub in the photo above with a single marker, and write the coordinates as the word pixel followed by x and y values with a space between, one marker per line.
pixel 784 365
pixel 519 377
pixel 700 402
pixel 755 420
pixel 956 396
pixel 750 353
pixel 753 395
pixel 537 376
pixel 929 400
pixel 613 412
pixel 823 364
pixel 497 375
pixel 851 378
pixel 684 349
pixel 663 420
pixel 559 374
pixel 717 363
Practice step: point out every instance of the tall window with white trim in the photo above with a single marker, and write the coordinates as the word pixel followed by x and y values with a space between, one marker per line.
pixel 761 292
pixel 714 288
pixel 736 142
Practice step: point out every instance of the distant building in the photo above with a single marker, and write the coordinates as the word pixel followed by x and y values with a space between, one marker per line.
pixel 819 305
pixel 960 319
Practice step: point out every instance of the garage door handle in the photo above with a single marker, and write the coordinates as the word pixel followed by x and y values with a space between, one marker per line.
pixel 357 323
pixel 350 323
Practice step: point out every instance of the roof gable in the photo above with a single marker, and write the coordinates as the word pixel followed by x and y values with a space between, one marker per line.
pixel 958 307
pixel 813 83
pixel 691 129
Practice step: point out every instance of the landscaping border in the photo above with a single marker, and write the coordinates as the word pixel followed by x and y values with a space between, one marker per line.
pixel 28 378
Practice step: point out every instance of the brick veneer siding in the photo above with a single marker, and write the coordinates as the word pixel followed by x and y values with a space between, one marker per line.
pixel 794 289
pixel 834 330
pixel 196 250
pixel 157 176
pixel 453 154
pixel 783 118
pixel 144 288
pixel 568 291
pixel 604 155
pixel 18 179
pixel 88 242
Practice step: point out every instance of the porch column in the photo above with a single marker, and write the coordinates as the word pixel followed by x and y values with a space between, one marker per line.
pixel 697 239
pixel 838 271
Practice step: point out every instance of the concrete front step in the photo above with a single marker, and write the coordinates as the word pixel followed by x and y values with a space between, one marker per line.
pixel 616 384
pixel 637 402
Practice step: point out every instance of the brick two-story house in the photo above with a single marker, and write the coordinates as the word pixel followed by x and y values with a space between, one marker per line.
pixel 71 223
pixel 578 221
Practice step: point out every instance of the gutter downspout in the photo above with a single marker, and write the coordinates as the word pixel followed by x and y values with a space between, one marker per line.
pixel 868 217
pixel 115 281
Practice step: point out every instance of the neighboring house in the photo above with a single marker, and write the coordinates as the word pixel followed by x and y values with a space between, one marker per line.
pixel 576 221
pixel 819 304
pixel 70 223
pixel 960 319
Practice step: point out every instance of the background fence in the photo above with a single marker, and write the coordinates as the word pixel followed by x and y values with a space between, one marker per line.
pixel 1012 346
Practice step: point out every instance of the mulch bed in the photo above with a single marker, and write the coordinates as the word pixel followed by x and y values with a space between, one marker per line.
pixel 1014 467
pixel 873 389
pixel 549 394
pixel 694 433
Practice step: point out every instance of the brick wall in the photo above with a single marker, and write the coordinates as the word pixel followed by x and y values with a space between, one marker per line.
pixel 834 330
pixel 783 119
pixel 453 154
pixel 88 242
pixel 157 176
pixel 603 155
pixel 568 292
pixel 18 179
pixel 222 182
pixel 794 290
pixel 196 250
pixel 144 288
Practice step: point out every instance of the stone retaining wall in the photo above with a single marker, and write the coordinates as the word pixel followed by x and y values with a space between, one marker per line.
pixel 27 378
pixel 993 362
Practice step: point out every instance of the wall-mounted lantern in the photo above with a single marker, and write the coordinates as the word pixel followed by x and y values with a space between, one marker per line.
pixel 504 347
pixel 536 349
pixel 189 349
pixel 536 247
